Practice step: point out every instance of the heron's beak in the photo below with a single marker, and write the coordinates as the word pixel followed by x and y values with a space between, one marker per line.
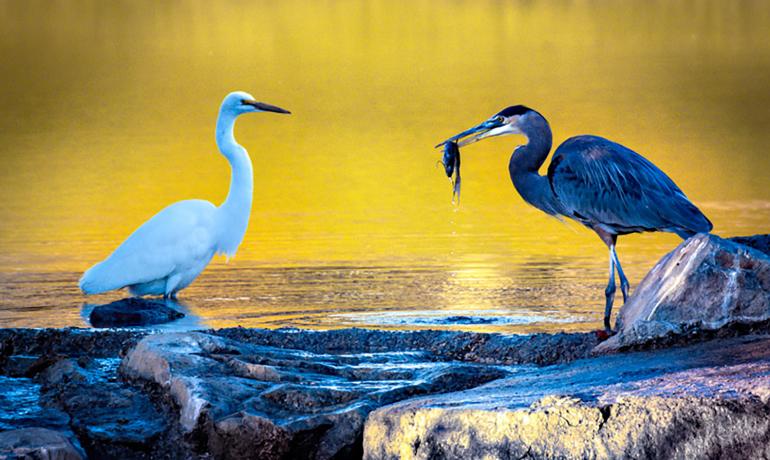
pixel 469 136
pixel 263 107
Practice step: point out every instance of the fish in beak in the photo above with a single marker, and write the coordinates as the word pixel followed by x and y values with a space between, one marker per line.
pixel 451 163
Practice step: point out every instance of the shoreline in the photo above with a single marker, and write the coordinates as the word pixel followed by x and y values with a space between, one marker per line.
pixel 328 394
pixel 686 376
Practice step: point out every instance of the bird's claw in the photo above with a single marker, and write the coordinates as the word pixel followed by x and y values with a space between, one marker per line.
pixel 604 334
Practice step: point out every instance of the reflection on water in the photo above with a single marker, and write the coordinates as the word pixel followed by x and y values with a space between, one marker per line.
pixel 109 117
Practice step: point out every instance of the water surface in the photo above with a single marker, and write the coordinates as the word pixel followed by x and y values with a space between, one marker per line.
pixel 109 108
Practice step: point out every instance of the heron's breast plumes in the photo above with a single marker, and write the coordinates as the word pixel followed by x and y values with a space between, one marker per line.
pixel 451 163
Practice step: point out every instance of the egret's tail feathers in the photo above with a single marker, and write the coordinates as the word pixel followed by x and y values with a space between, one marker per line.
pixel 97 280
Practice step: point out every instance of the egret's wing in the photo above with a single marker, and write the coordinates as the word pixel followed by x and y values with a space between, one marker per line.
pixel 177 236
pixel 599 181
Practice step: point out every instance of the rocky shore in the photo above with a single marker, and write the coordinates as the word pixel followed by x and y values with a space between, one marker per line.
pixel 686 376
pixel 238 393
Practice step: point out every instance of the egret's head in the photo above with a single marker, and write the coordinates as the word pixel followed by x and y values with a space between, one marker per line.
pixel 511 120
pixel 239 102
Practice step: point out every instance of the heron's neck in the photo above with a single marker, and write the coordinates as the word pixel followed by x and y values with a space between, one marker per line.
pixel 525 164
pixel 234 212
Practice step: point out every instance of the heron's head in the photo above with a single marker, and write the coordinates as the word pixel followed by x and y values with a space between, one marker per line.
pixel 511 120
pixel 239 102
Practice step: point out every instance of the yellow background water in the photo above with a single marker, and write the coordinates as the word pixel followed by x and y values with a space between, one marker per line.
pixel 108 108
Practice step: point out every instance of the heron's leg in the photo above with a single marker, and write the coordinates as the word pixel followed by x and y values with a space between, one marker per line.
pixel 623 280
pixel 610 292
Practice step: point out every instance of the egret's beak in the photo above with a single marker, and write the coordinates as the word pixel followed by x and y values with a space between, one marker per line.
pixel 261 106
pixel 479 132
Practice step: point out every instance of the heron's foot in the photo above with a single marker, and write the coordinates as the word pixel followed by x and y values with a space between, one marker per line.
pixel 604 334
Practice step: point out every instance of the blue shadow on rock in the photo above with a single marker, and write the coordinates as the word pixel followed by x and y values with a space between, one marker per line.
pixel 140 312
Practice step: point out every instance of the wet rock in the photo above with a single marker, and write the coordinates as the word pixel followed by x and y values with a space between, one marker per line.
pixel 20 407
pixel 705 284
pixel 705 401
pixel 284 403
pixel 39 444
pixel 111 419
pixel 63 371
pixel 134 311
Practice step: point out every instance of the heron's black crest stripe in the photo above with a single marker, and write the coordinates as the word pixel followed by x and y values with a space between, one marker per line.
pixel 514 110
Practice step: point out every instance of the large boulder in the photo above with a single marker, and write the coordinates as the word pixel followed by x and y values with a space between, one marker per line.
pixel 242 400
pixel 705 284
pixel 706 401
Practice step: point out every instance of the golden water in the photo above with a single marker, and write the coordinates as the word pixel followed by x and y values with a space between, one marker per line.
pixel 108 108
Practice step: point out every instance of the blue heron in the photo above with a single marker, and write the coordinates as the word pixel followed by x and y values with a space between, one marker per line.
pixel 605 186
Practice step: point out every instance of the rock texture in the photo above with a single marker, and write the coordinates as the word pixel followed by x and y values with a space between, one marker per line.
pixel 291 394
pixel 241 393
pixel 705 284
pixel 708 401
pixel 38 444
pixel 442 345
pixel 250 401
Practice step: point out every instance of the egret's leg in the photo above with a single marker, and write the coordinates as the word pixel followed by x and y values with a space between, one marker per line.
pixel 623 280
pixel 171 284
pixel 610 292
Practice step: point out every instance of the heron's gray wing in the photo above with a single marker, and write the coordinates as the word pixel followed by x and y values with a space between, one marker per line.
pixel 601 182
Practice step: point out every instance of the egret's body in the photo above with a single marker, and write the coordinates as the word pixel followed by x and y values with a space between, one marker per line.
pixel 166 253
pixel 599 183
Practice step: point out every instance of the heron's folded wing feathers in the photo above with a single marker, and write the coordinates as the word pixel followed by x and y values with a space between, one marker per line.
pixel 603 182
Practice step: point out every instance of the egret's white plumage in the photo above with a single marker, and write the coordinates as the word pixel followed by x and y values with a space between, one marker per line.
pixel 166 253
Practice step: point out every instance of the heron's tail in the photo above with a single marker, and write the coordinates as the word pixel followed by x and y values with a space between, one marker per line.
pixel 696 222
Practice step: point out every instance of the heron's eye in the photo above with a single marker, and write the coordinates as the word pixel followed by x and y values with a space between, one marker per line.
pixel 500 119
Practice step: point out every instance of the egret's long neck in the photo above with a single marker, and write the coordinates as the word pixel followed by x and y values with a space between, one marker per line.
pixel 525 164
pixel 234 212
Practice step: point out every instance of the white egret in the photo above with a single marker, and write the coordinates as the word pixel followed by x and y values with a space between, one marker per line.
pixel 166 253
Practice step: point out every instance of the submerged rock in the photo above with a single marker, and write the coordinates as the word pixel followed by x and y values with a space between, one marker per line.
pixel 705 284
pixel 705 401
pixel 134 311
